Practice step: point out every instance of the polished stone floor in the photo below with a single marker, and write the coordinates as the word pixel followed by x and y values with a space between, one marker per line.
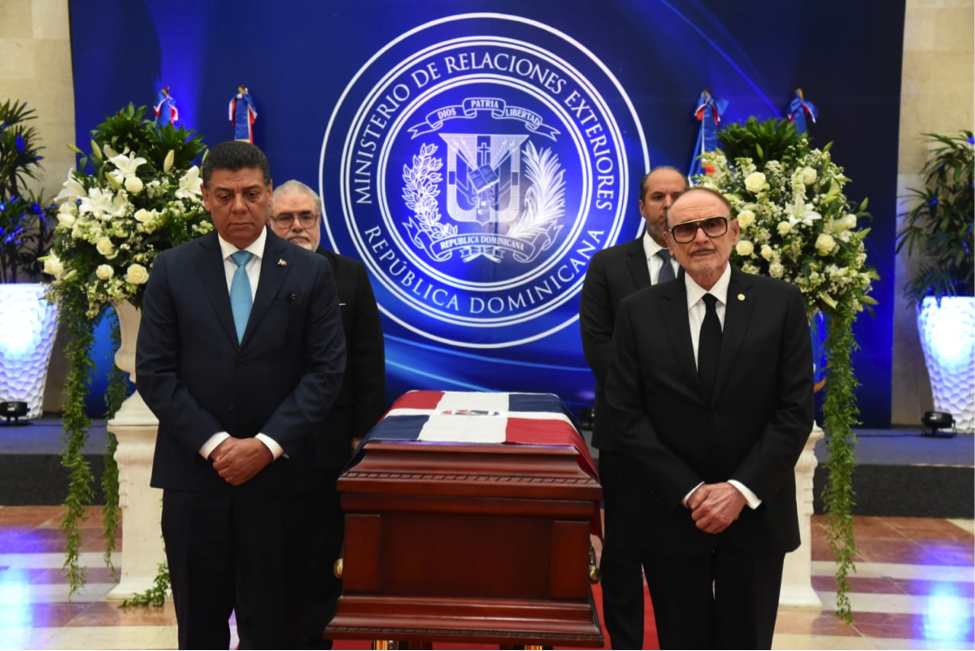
pixel 913 590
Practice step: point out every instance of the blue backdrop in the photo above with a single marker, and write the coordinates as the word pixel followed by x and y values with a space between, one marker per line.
pixel 637 65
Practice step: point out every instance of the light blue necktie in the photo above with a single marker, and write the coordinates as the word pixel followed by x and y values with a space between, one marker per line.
pixel 240 292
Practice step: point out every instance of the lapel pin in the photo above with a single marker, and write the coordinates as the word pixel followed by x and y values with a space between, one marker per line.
pixel 741 297
pixel 282 263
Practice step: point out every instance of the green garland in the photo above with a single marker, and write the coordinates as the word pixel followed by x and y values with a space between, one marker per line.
pixel 154 596
pixel 839 416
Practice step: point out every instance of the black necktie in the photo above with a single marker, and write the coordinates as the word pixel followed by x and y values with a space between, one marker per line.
pixel 709 347
pixel 667 269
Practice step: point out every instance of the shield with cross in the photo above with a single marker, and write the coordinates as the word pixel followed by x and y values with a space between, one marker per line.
pixel 484 180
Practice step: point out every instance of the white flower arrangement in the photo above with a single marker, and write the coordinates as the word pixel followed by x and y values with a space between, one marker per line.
pixel 113 221
pixel 795 223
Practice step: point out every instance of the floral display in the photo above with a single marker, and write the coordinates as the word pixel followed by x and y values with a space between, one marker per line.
pixel 796 224
pixel 136 194
pixel 141 197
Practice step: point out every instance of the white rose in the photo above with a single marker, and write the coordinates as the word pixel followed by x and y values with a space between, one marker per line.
pixel 134 184
pixel 66 219
pixel 825 244
pixel 142 215
pixel 784 228
pixel 808 176
pixel 104 271
pixel 847 223
pixel 755 182
pixel 767 252
pixel 53 266
pixel 776 270
pixel 136 274
pixel 744 248
pixel 746 218
pixel 105 246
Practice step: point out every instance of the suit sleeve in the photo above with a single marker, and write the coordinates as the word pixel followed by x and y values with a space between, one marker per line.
pixel 670 478
pixel 157 366
pixel 368 357
pixel 596 319
pixel 299 415
pixel 772 459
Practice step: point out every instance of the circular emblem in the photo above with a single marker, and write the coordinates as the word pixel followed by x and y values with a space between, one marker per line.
pixel 475 164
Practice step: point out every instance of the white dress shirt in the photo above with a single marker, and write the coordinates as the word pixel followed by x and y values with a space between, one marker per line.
pixel 654 263
pixel 696 309
pixel 253 269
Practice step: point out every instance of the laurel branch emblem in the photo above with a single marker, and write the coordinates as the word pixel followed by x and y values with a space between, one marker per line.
pixel 533 232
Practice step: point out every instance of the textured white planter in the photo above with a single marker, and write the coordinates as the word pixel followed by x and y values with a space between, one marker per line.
pixel 135 427
pixel 948 339
pixel 28 324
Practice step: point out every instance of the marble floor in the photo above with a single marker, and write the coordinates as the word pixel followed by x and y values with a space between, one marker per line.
pixel 913 590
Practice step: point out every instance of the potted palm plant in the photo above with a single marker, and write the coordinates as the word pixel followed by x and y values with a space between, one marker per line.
pixel 939 230
pixel 26 233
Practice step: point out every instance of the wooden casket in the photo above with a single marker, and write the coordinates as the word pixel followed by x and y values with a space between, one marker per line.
pixel 467 519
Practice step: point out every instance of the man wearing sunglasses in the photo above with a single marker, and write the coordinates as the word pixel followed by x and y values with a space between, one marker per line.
pixel 613 274
pixel 711 390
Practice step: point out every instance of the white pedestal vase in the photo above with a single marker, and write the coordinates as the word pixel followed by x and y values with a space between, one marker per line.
pixel 948 340
pixel 797 590
pixel 28 325
pixel 135 427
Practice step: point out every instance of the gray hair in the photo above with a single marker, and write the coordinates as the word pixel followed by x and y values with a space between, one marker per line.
pixel 296 186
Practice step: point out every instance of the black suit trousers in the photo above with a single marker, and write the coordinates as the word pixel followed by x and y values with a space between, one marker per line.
pixel 723 599
pixel 620 563
pixel 210 536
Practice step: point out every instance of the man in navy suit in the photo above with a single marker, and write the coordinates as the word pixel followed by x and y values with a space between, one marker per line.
pixel 711 393
pixel 296 215
pixel 613 274
pixel 240 356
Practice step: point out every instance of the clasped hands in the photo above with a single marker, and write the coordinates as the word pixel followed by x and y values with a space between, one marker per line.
pixel 238 460
pixel 715 506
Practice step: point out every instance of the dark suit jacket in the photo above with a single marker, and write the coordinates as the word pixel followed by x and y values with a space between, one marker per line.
pixel 362 399
pixel 753 431
pixel 613 274
pixel 280 380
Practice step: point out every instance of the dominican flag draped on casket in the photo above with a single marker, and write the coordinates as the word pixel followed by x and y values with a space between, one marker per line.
pixel 473 418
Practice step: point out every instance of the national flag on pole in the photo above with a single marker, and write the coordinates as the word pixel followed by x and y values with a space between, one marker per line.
pixel 243 114
pixel 799 109
pixel 708 112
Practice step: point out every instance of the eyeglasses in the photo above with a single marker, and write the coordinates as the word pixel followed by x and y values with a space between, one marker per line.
pixel 712 227
pixel 306 219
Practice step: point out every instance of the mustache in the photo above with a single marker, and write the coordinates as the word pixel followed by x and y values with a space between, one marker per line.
pixel 298 236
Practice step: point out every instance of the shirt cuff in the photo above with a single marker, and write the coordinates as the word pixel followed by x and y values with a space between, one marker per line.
pixel 750 497
pixel 272 445
pixel 683 502
pixel 212 444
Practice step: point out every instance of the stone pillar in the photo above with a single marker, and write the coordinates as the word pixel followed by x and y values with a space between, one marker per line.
pixel 797 590
pixel 135 427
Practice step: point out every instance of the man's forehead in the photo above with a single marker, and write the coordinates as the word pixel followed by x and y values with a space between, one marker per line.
pixel 693 205
pixel 246 177
pixel 664 178
pixel 294 201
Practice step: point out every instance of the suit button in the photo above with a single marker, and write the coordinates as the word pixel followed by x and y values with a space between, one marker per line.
pixel 239 363
pixel 230 406
pixel 714 415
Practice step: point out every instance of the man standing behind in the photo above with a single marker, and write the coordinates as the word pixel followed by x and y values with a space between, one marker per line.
pixel 296 216
pixel 613 274
pixel 711 392
pixel 240 356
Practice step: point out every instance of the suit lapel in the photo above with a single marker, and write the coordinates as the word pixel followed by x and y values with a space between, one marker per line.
pixel 213 279
pixel 738 313
pixel 637 264
pixel 678 330
pixel 275 265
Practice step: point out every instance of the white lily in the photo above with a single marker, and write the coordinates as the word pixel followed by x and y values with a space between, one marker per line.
pixel 72 189
pixel 127 164
pixel 189 185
